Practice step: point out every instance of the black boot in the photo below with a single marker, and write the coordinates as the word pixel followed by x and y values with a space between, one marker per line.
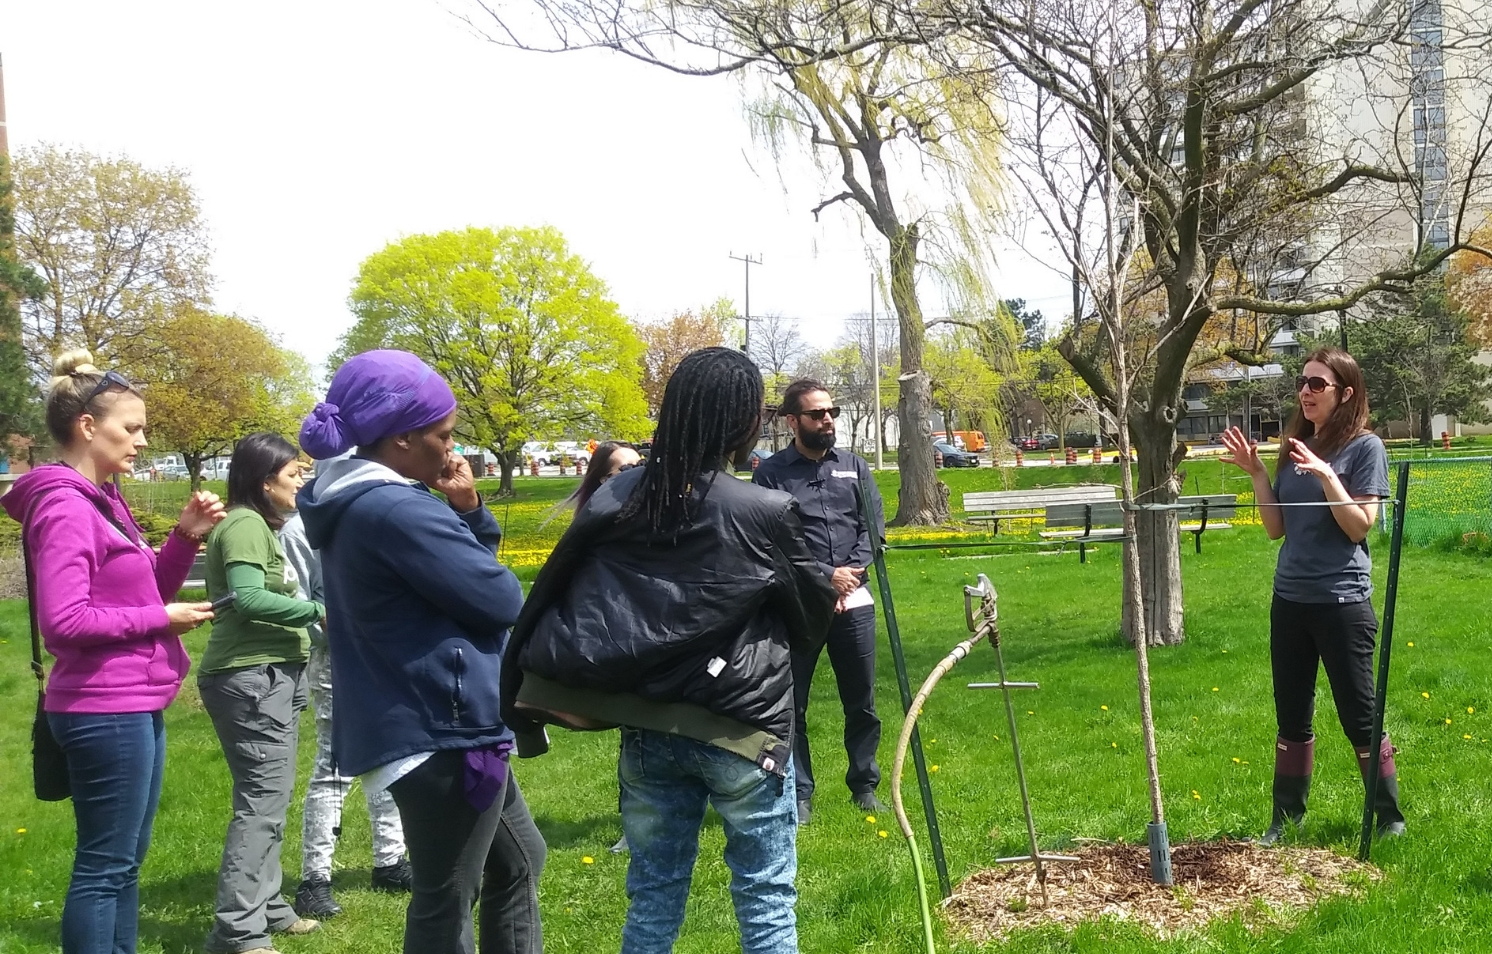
pixel 1386 805
pixel 1293 762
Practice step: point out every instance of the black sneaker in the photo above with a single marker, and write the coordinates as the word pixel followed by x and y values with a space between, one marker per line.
pixel 313 899
pixel 396 878
pixel 867 802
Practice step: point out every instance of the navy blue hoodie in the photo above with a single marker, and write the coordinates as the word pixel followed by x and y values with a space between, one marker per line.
pixel 418 611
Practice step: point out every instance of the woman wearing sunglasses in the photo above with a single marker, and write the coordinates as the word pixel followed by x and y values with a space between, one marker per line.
pixel 103 601
pixel 1322 611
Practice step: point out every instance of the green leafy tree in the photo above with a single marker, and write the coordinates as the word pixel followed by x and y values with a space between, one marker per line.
pixel 1418 360
pixel 121 246
pixel 1031 321
pixel 519 326
pixel 216 378
pixel 964 385
pixel 19 410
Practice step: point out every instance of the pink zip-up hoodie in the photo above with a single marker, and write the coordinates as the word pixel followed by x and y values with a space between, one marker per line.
pixel 101 595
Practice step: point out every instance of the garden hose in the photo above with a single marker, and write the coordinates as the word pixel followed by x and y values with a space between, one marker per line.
pixel 899 762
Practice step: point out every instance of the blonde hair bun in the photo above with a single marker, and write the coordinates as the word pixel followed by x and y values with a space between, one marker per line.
pixel 77 361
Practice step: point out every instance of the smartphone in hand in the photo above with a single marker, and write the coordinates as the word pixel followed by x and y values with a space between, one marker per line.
pixel 225 601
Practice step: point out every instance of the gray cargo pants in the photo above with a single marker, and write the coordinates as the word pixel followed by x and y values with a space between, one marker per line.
pixel 256 712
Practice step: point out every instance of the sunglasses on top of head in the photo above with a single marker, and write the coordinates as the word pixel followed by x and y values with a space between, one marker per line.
pixel 111 379
pixel 818 413
pixel 1316 383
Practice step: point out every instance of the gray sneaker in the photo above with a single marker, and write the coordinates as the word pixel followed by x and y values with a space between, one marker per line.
pixel 805 812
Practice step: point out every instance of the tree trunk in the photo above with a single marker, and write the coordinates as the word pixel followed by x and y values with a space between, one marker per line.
pixel 1157 538
pixel 506 461
pixel 922 500
pixel 194 470
pixel 1425 437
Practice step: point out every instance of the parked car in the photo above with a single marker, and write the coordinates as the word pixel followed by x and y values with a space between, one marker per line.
pixel 946 455
pixel 1033 442
pixel 1081 439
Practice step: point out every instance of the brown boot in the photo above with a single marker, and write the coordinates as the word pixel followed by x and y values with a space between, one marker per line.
pixel 1293 764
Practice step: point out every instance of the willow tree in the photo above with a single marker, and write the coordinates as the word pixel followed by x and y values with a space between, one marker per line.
pixel 910 146
pixel 1262 161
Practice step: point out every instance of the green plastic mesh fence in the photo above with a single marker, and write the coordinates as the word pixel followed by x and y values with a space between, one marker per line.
pixel 1450 499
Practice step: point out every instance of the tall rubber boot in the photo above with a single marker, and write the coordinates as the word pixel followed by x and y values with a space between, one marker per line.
pixel 1386 805
pixel 1293 763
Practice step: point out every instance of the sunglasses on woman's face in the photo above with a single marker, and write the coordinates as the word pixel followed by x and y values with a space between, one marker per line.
pixel 1316 383
pixel 818 413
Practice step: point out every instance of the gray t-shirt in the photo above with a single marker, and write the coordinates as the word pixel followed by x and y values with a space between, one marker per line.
pixel 1319 563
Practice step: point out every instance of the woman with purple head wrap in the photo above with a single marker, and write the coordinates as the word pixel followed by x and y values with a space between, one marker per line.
pixel 418 613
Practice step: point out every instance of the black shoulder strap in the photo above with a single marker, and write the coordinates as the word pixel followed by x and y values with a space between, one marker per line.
pixel 36 667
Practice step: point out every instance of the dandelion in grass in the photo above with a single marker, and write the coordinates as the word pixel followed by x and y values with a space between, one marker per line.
pixel 1214 688
pixel 20 831
pixel 1237 760
pixel 1466 737
pixel 1425 695
pixel 1197 795
pixel 1030 712
pixel 881 833
pixel 1411 644
pixel 1447 722
pixel 870 819
pixel 932 768
pixel 1470 709
pixel 587 860
pixel 1104 708
pixel 1113 745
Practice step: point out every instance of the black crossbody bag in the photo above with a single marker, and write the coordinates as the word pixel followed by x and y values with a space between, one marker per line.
pixel 48 761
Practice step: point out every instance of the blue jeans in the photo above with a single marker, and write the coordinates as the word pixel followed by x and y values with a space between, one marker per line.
pixel 115 764
pixel 666 781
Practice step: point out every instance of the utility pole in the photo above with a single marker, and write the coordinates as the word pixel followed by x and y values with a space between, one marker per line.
pixel 875 373
pixel 749 261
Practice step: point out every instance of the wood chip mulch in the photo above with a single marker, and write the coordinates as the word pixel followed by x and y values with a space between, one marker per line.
pixel 1212 880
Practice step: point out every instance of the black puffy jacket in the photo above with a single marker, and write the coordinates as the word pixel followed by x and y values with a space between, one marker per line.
pixel 695 622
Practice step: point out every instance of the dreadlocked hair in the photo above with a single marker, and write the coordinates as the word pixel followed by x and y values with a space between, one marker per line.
pixel 711 406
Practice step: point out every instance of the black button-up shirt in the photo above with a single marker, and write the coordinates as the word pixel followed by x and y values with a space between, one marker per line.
pixel 828 494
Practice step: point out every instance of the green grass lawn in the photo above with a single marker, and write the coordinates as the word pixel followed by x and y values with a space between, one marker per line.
pixel 1085 764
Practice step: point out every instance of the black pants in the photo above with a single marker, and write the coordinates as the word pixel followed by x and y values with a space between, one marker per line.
pixel 1339 635
pixel 852 654
pixel 458 855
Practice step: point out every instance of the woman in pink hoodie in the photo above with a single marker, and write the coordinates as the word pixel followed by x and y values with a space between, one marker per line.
pixel 102 601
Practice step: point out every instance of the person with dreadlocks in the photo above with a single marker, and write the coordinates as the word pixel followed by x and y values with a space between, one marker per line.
pixel 671 608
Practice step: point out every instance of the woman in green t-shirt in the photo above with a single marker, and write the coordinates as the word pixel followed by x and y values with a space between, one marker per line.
pixel 252 680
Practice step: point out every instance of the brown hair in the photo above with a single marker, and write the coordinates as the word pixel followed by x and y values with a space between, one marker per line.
pixel 68 394
pixel 1349 420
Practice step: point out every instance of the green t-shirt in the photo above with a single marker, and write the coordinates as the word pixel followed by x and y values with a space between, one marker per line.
pixel 237 641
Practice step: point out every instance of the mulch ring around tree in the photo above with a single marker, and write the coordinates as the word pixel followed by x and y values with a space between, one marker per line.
pixel 1213 880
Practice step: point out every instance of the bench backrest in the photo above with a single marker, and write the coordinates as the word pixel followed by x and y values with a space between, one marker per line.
pixel 1110 513
pixel 1003 500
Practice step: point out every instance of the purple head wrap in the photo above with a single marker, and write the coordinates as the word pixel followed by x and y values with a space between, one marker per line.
pixel 373 395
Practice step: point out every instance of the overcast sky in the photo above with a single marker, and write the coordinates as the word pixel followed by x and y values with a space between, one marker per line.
pixel 316 132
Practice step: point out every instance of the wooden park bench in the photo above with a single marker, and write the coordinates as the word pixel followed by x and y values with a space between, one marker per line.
pixel 197 575
pixel 1104 520
pixel 996 505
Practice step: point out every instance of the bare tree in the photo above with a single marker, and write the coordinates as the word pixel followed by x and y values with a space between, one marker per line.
pixel 850 81
pixel 1253 162
pixel 778 348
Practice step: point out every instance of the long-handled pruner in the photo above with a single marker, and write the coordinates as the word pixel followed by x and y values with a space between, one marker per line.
pixel 986 623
